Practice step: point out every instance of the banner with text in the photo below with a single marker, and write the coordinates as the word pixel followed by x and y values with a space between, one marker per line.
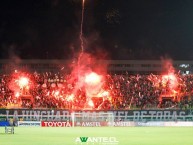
pixel 29 123
pixel 119 115
pixel 56 124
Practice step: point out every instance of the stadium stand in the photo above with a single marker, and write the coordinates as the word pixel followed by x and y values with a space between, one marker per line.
pixel 52 90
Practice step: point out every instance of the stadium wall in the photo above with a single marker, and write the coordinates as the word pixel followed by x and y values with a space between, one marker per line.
pixel 113 66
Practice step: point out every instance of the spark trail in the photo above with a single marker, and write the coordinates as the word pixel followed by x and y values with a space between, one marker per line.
pixel 81 41
pixel 81 28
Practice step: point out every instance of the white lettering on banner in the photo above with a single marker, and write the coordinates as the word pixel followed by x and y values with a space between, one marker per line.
pixel 57 118
pixel 159 115
pixel 29 123
pixel 91 124
pixel 166 115
pixel 39 115
pixel 56 124
pixel 150 124
pixel 182 115
pixel 49 117
pixel 65 115
pixel 178 123
pixel 164 123
pixel 174 115
pixel 36 115
pixel 126 115
pixel 15 115
pixel 143 113
pixel 120 114
pixel 42 114
pixel 136 115
pixel 152 113
pixel 27 115
pixel 120 123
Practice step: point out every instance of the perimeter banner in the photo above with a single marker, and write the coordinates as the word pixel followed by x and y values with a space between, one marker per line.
pixel 29 123
pixel 119 115
pixel 56 124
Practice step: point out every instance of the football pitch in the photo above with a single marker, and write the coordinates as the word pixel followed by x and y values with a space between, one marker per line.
pixel 123 135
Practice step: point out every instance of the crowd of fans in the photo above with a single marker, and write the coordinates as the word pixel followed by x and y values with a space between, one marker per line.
pixel 56 90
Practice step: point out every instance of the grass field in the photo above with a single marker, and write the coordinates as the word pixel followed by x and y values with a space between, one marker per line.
pixel 124 135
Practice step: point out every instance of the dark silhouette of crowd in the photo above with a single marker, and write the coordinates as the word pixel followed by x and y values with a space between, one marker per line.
pixel 57 90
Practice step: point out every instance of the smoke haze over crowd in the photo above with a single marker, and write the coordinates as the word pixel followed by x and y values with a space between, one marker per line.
pixel 117 29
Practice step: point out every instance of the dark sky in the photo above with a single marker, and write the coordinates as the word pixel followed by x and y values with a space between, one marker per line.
pixel 115 29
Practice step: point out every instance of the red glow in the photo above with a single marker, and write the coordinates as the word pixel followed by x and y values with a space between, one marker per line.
pixel 23 82
pixel 87 76
pixel 70 97
pixel 105 93
pixel 90 103
pixel 20 83
pixel 56 93
pixel 17 94
pixel 93 84
pixel 171 79
pixel 93 79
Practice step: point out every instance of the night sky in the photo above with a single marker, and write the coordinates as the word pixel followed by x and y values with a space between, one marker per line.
pixel 112 29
